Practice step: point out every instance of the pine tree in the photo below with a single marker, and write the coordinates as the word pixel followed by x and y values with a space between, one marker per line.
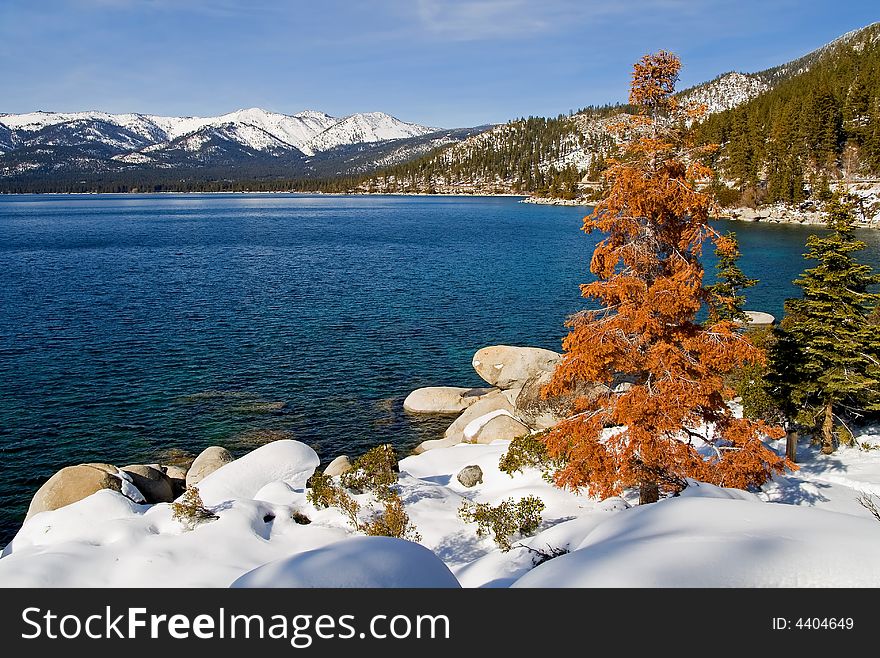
pixel 726 302
pixel 673 422
pixel 827 355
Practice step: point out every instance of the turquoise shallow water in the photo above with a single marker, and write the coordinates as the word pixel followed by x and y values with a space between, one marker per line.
pixel 134 325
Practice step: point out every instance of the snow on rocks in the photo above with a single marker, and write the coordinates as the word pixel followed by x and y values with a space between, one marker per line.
pixel 707 536
pixel 355 562
pixel 287 460
pixel 73 483
pixel 493 427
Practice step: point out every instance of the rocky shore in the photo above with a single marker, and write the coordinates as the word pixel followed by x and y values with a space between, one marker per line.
pixel 256 525
pixel 808 213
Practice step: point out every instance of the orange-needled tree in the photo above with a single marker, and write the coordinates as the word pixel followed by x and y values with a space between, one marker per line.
pixel 670 419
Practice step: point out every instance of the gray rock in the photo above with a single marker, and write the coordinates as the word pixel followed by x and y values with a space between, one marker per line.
pixel 443 399
pixel 208 461
pixel 759 319
pixel 338 466
pixel 495 427
pixel 71 484
pixel 470 476
pixel 539 412
pixel 155 485
pixel 507 366
pixel 177 476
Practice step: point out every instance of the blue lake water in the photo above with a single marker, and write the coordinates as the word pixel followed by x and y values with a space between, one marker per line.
pixel 131 326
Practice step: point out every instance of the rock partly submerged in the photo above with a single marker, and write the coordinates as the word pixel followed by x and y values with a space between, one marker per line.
pixel 509 366
pixel 443 399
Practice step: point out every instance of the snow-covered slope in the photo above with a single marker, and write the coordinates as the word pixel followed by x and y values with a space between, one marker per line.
pixel 367 127
pixel 726 91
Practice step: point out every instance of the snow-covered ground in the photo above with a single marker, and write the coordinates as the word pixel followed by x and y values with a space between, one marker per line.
pixel 806 529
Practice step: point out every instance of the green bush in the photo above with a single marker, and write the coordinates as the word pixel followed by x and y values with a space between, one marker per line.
pixel 375 471
pixel 190 510
pixel 505 520
pixel 321 490
pixel 392 521
pixel 751 385
pixel 527 451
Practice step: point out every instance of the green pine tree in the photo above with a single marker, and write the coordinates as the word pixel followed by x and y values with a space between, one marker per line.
pixel 727 300
pixel 825 361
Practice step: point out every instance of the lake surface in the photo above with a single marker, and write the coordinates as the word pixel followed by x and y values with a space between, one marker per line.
pixel 134 328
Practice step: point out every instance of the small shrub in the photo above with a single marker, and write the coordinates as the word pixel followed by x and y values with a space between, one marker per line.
pixel 866 500
pixel 527 451
pixel 321 490
pixel 374 471
pixel 299 518
pixel 392 521
pixel 540 556
pixel 505 520
pixel 190 510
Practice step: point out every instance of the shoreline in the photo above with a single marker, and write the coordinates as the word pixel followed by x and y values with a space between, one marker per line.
pixel 771 214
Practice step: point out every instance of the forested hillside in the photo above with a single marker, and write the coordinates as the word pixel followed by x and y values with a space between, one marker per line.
pixel 785 133
pixel 532 155
pixel 819 125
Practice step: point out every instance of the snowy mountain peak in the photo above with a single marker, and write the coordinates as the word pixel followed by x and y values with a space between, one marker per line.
pixel 254 128
pixel 366 127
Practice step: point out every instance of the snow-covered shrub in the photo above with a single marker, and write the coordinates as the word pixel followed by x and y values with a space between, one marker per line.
pixel 392 521
pixel 190 510
pixel 505 520
pixel 374 471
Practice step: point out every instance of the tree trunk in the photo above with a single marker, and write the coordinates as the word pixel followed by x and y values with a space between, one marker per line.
pixel 791 440
pixel 827 430
pixel 649 492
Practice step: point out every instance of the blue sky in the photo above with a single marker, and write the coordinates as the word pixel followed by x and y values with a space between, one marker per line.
pixel 438 62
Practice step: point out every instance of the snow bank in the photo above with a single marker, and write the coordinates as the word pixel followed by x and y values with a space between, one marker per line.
pixel 285 460
pixel 717 542
pixel 804 529
pixel 357 562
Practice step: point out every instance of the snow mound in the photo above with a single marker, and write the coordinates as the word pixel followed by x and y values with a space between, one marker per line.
pixel 359 562
pixel 714 542
pixel 286 460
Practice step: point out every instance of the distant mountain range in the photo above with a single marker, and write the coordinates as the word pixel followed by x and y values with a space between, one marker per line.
pixel 832 92
pixel 251 142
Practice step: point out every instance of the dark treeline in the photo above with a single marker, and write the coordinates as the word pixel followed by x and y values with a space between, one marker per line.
pixel 819 125
pixel 147 184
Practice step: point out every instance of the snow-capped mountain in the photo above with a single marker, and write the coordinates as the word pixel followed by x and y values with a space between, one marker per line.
pixel 98 141
pixel 368 127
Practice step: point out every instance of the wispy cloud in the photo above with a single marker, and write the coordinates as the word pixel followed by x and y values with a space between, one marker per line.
pixel 468 20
